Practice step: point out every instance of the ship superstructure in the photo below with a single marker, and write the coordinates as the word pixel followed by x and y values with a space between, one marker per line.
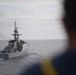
pixel 15 47
pixel 16 44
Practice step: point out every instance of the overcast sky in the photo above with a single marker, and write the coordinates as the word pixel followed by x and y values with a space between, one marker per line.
pixel 36 19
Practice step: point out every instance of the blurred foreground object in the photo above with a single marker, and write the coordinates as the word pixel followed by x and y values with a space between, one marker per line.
pixel 64 64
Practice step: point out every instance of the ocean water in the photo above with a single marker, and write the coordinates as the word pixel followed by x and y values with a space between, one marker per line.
pixel 38 49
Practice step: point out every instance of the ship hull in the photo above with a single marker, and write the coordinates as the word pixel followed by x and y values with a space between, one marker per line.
pixel 6 56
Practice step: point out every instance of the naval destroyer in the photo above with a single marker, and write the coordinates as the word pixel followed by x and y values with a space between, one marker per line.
pixel 15 47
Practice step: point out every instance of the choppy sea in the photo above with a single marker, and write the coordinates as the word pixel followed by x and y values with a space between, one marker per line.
pixel 38 49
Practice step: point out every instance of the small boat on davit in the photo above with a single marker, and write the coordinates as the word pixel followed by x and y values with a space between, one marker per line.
pixel 15 47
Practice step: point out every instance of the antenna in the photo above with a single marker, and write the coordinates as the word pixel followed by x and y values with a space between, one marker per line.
pixel 15 22
pixel 16 33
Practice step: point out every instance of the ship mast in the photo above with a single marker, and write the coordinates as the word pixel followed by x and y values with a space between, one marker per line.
pixel 16 33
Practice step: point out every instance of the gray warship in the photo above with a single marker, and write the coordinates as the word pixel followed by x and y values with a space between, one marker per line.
pixel 14 47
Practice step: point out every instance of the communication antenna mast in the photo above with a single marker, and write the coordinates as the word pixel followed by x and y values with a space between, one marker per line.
pixel 16 33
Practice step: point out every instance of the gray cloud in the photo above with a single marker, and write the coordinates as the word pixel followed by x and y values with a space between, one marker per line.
pixel 36 18
pixel 2 36
pixel 2 14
